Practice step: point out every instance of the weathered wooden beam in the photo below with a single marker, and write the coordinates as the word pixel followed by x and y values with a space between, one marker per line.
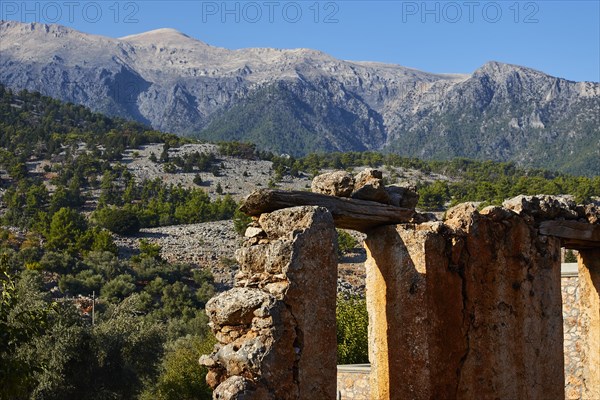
pixel 360 215
pixel 575 235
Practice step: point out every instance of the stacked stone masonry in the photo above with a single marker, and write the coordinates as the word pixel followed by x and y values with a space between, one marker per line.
pixel 468 308
pixel 572 334
pixel 276 327
pixel 353 382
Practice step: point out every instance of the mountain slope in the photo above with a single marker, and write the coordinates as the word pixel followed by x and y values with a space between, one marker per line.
pixel 297 101
pixel 506 112
pixel 315 118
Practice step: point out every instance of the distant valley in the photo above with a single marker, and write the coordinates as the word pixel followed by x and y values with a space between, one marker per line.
pixel 302 101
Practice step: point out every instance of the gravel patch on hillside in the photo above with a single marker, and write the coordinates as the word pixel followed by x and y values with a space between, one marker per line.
pixel 239 177
pixel 209 245
pixel 212 246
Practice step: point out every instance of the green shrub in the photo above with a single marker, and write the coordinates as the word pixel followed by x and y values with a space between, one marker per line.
pixel 83 283
pixel 352 331
pixel 240 222
pixel 149 250
pixel 62 263
pixel 170 168
pixel 103 241
pixel 570 257
pixel 345 242
pixel 118 220
pixel 105 263
pixel 433 196
pixel 118 288
pixel 181 376
pixel 33 266
pixel 66 228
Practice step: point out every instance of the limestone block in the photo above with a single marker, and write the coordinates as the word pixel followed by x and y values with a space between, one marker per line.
pixel 276 328
pixel 368 185
pixel 239 388
pixel 402 196
pixel 235 307
pixel 543 207
pixel 284 222
pixel 338 183
pixel 467 309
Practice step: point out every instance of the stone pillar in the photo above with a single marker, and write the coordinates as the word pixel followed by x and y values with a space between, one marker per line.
pixel 276 327
pixel 397 260
pixel 512 306
pixel 589 281
pixel 469 309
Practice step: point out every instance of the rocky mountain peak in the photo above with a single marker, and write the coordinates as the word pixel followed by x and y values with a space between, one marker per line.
pixel 301 100
pixel 500 71
pixel 161 32
pixel 162 37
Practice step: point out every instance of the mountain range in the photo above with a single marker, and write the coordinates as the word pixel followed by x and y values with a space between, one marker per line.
pixel 300 101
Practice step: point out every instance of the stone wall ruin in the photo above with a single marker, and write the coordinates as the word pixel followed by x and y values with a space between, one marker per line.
pixel 478 302
pixel 279 319
pixel 467 308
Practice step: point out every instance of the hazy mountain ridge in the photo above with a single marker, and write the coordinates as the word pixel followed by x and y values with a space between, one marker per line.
pixel 314 102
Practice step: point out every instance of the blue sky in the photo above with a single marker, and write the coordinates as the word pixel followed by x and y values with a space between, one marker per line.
pixel 561 38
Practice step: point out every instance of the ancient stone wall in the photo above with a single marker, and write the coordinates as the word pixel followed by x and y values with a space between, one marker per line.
pixel 572 335
pixel 475 306
pixel 353 382
pixel 468 308
pixel 276 327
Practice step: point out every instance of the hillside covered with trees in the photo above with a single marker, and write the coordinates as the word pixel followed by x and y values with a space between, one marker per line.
pixel 64 194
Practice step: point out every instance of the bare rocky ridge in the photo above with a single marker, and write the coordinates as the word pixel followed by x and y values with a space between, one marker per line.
pixel 311 100
pixel 237 177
